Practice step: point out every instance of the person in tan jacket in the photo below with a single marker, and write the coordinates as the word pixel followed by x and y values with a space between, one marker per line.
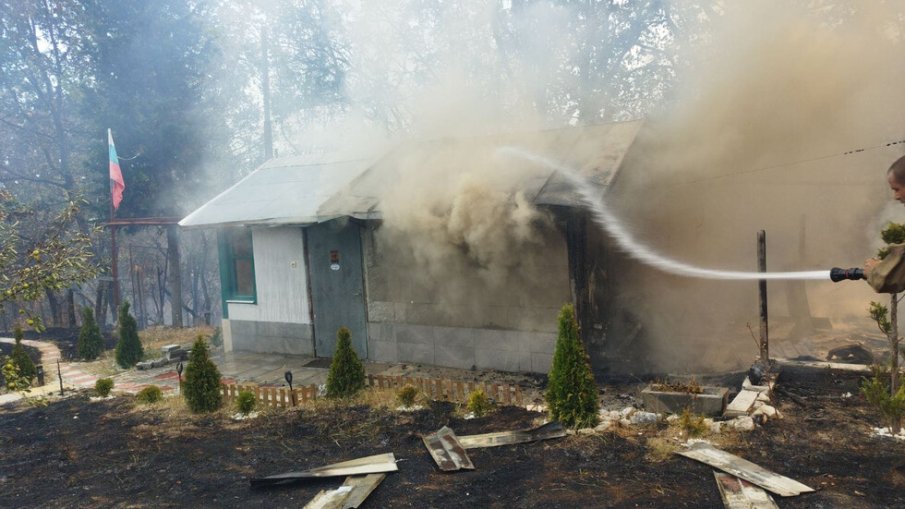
pixel 888 275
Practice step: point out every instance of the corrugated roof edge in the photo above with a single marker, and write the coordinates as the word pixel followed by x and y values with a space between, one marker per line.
pixel 279 162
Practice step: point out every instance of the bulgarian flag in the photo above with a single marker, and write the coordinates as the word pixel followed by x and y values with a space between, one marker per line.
pixel 117 184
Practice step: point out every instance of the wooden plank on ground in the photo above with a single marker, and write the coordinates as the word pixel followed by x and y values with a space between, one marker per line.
pixel 740 494
pixel 446 450
pixel 350 495
pixel 742 402
pixel 543 432
pixel 739 467
pixel 376 464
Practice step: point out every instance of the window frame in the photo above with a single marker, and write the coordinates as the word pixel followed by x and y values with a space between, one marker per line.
pixel 228 258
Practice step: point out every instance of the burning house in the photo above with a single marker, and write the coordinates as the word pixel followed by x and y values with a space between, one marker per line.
pixel 454 252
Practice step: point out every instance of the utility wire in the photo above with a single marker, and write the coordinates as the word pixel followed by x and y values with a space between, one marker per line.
pixel 802 161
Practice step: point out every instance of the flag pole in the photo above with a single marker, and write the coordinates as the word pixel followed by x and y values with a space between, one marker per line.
pixel 113 269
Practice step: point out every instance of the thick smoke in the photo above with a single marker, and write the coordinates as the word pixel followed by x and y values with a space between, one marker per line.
pixel 755 139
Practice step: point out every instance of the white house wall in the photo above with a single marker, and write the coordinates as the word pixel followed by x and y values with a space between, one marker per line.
pixel 279 320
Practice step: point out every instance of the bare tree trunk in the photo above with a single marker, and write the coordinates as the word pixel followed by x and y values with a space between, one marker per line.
pixel 99 306
pixel 161 293
pixel 70 308
pixel 175 275
pixel 56 311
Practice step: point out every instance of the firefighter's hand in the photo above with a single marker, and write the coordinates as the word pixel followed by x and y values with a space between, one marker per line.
pixel 869 266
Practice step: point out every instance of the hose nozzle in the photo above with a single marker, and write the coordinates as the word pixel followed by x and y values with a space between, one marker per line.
pixel 837 274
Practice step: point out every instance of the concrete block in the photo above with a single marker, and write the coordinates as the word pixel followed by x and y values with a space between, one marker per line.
pixel 538 342
pixel 417 353
pixel 382 331
pixel 541 362
pixel 710 402
pixel 504 360
pixel 455 337
pixel 382 351
pixel 381 311
pixel 415 334
pixel 454 356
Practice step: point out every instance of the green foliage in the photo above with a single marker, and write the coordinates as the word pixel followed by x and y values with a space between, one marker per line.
pixel 692 424
pixel 41 250
pixel 217 337
pixel 894 233
pixel 347 374
pixel 880 314
pixel 478 403
pixel 90 344
pixel 150 394
pixel 103 386
pixel 202 380
pixel 407 395
pixel 571 392
pixel 14 382
pixel 877 392
pixel 246 402
pixel 20 357
pixel 128 349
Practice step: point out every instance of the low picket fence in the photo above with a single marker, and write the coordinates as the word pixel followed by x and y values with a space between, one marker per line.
pixel 435 389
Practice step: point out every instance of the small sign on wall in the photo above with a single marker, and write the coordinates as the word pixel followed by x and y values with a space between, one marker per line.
pixel 334 260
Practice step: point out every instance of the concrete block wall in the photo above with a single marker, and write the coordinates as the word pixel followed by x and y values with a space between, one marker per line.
pixel 271 337
pixel 461 347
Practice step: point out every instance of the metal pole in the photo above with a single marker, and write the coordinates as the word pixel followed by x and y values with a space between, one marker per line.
pixel 762 297
pixel 60 376
pixel 115 272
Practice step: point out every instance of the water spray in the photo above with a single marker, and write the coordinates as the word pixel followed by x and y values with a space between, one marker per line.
pixel 644 254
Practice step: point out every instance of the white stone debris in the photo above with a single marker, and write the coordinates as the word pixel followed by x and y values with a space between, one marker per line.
pixel 239 416
pixel 846 395
pixel 413 408
pixel 743 423
pixel 886 432
pixel 627 412
pixel 644 417
pixel 763 397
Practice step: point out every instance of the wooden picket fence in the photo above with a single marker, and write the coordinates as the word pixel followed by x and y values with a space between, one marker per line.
pixel 441 390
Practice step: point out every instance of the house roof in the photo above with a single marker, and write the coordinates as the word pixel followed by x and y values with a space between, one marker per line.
pixel 593 152
pixel 287 190
pixel 294 191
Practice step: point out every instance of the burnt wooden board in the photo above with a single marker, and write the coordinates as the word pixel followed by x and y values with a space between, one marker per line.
pixel 740 494
pixel 751 472
pixel 446 450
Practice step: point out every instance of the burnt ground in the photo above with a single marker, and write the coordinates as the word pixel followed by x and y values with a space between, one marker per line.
pixel 77 452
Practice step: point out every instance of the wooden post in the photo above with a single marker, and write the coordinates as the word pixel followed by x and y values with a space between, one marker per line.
pixel 762 297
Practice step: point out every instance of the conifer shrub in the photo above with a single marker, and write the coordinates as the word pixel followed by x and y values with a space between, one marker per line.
pixel 478 403
pixel 202 380
pixel 103 386
pixel 217 337
pixel 891 406
pixel 406 396
pixel 150 394
pixel 571 392
pixel 347 374
pixel 128 349
pixel 90 343
pixel 246 402
pixel 20 357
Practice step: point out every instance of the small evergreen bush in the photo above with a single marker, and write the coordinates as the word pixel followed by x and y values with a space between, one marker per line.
pixel 876 391
pixel 150 394
pixel 128 349
pixel 20 357
pixel 571 392
pixel 103 386
pixel 246 402
pixel 406 396
pixel 202 380
pixel 478 403
pixel 347 374
pixel 217 337
pixel 90 344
